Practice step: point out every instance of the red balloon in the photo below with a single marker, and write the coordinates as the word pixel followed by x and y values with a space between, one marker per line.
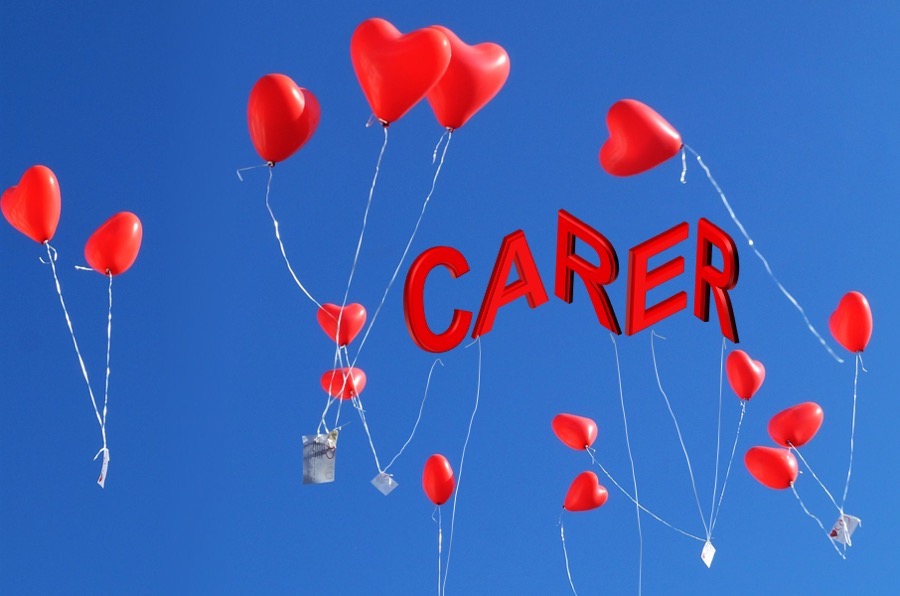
pixel 851 322
pixel 772 467
pixel 475 75
pixel 745 375
pixel 585 493
pixel 639 139
pixel 33 206
pixel 394 70
pixel 114 246
pixel 577 432
pixel 352 321
pixel 344 383
pixel 797 425
pixel 437 479
pixel 281 117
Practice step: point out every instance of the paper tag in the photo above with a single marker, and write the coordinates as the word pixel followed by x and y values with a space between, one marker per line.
pixel 103 467
pixel 844 527
pixel 318 458
pixel 385 483
pixel 707 554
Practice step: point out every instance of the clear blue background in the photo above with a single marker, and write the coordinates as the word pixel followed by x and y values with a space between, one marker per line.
pixel 217 356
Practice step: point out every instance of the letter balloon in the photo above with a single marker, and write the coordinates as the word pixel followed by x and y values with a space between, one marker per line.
pixel 114 246
pixel 474 76
pixel 394 70
pixel 851 322
pixel 797 425
pixel 437 479
pixel 281 116
pixel 33 206
pixel 639 139
pixel 577 432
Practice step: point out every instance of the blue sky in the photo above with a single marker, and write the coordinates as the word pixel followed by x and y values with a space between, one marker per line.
pixel 216 356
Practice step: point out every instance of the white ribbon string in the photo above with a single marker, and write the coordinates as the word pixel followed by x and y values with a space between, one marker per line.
pixel 816 478
pixel 268 164
pixel 462 460
pixel 101 419
pixel 637 506
pixel 440 547
pixel 449 134
pixel 365 220
pixel 356 400
pixel 818 521
pixel 281 244
pixel 712 508
pixel 562 537
pixel 592 453
pixel 759 255
pixel 687 458
pixel 715 518
pixel 418 418
pixel 852 431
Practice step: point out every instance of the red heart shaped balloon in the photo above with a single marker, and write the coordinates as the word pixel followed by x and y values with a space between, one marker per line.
pixel 577 432
pixel 437 479
pixel 474 76
pixel 33 206
pixel 772 467
pixel 585 493
pixel 396 70
pixel 797 425
pixel 639 139
pixel 745 375
pixel 344 383
pixel 851 322
pixel 352 318
pixel 114 246
pixel 281 117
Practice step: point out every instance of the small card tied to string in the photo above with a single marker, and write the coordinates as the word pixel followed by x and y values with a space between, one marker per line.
pixel 318 457
pixel 844 527
pixel 385 483
pixel 707 554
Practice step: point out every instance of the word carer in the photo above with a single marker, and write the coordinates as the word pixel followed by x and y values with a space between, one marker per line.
pixel 514 252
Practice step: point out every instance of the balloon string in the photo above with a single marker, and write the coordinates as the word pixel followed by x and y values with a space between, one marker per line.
pixel 409 242
pixel 281 244
pixel 715 518
pixel 365 220
pixel 440 547
pixel 330 399
pixel 105 464
pixel 765 263
pixel 592 454
pixel 52 256
pixel 852 431
pixel 462 460
pixel 637 506
pixel 811 471
pixel 712 508
pixel 356 400
pixel 818 521
pixel 419 418
pixel 268 164
pixel 687 458
pixel 562 537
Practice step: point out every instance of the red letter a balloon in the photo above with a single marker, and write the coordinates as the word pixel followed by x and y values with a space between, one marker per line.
pixel 395 70
pixel 639 139
pixel 475 75
pixel 33 206
pixel 114 246
pixel 281 117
